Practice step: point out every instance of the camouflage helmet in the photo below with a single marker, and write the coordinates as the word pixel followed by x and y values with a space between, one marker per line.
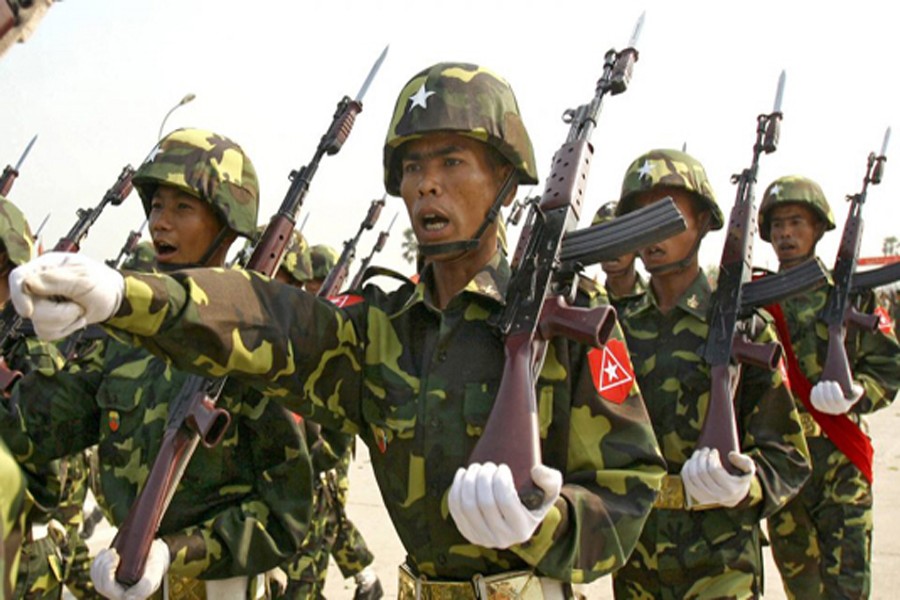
pixel 323 259
pixel 15 233
pixel 208 166
pixel 297 261
pixel 669 168
pixel 798 190
pixel 459 98
pixel 605 213
pixel 142 259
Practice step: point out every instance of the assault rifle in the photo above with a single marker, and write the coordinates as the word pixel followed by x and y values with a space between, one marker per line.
pixel 728 344
pixel 338 273
pixel 10 172
pixel 128 248
pixel 10 321
pixel 839 311
pixel 539 302
pixel 378 247
pixel 193 416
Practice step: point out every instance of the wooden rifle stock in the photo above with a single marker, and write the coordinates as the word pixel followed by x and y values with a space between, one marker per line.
pixel 9 174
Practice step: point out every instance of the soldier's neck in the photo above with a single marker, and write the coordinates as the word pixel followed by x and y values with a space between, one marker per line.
pixel 669 287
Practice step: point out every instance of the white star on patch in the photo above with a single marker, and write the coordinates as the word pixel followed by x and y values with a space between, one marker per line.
pixel 612 371
pixel 645 169
pixel 420 98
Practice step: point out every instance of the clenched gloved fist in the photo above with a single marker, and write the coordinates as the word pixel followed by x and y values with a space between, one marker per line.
pixel 103 573
pixel 63 292
pixel 707 482
pixel 828 397
pixel 486 508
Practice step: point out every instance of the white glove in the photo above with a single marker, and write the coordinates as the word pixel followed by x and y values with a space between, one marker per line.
pixel 277 582
pixel 63 292
pixel 707 482
pixel 486 507
pixel 828 397
pixel 103 573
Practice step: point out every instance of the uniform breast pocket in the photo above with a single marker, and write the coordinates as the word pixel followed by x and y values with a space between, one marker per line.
pixel 119 400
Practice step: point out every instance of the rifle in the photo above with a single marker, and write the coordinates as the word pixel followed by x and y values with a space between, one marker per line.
pixel 378 247
pixel 542 290
pixel 10 321
pixel 338 273
pixel 194 417
pixel 839 311
pixel 128 248
pixel 728 344
pixel 10 172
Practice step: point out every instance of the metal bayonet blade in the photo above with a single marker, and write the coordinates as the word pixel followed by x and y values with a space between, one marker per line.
pixel 371 75
pixel 632 43
pixel 27 150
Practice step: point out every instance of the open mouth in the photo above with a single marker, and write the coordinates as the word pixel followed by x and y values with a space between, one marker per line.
pixel 164 250
pixel 434 222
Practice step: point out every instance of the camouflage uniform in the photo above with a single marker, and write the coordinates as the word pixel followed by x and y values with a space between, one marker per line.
pixel 822 540
pixel 12 519
pixel 241 507
pixel 142 259
pixel 331 532
pixel 56 490
pixel 716 552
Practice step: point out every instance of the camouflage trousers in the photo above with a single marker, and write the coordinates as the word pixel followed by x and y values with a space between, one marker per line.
pixel 712 553
pixel 330 533
pixel 822 539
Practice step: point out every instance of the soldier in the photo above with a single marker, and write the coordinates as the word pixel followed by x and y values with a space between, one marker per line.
pixel 142 259
pixel 623 283
pixel 52 550
pixel 702 538
pixel 822 539
pixel 331 532
pixel 414 372
pixel 242 506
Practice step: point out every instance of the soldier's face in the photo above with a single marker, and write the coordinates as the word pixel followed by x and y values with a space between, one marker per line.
pixel 620 266
pixel 182 226
pixel 677 247
pixel 448 185
pixel 794 233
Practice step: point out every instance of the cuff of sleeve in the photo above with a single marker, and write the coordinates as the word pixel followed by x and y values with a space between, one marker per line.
pixel 141 312
pixel 534 550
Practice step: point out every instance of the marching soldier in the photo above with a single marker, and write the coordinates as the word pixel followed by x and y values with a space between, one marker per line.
pixel 822 539
pixel 242 507
pixel 323 259
pixel 702 539
pixel 414 372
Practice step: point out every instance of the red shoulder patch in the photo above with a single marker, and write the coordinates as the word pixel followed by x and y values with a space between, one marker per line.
pixel 345 300
pixel 885 322
pixel 611 371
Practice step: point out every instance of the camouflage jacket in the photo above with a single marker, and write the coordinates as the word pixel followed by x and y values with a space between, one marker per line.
pixel 621 303
pixel 667 349
pixel 417 384
pixel 12 519
pixel 874 356
pixel 241 508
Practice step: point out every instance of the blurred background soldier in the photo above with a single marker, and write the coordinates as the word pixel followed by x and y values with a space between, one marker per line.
pixel 822 540
pixel 623 282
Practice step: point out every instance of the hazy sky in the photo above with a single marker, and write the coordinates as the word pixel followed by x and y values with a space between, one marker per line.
pixel 96 79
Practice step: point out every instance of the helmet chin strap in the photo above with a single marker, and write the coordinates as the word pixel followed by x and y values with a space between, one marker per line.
pixel 464 246
pixel 687 260
pixel 210 251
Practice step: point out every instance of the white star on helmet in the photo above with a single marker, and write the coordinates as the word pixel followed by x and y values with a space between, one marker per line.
pixel 420 98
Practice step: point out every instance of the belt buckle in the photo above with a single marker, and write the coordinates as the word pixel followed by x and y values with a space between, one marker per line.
pixel 671 494
pixel 516 585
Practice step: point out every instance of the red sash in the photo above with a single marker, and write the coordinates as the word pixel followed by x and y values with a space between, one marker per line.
pixel 846 435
